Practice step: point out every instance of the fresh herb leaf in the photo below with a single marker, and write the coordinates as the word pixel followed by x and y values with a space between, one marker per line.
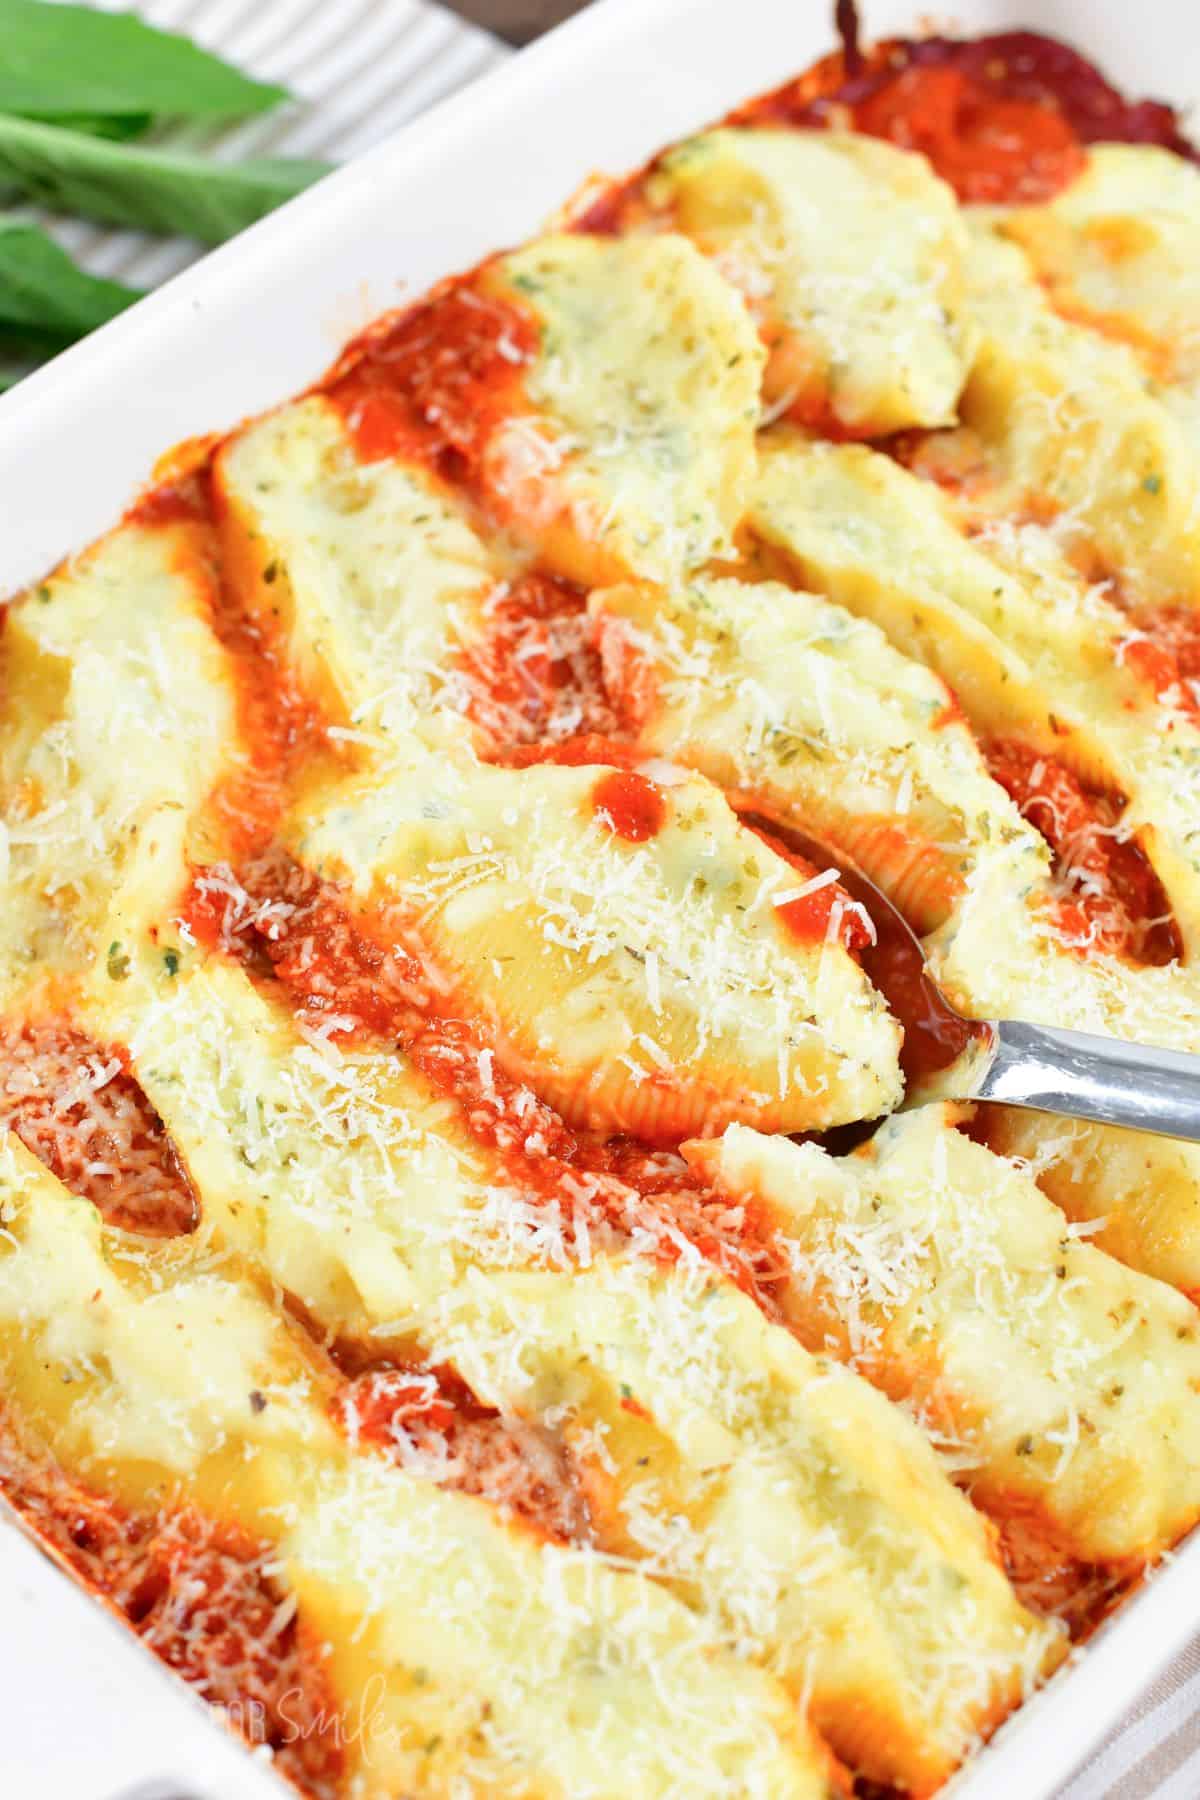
pixel 43 294
pixel 121 126
pixel 70 59
pixel 21 344
pixel 156 190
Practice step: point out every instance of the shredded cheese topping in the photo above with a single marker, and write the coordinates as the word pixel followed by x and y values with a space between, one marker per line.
pixel 406 994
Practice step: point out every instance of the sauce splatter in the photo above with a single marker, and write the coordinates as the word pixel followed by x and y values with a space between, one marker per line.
pixel 631 805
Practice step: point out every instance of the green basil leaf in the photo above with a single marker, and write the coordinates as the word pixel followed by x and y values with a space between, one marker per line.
pixel 120 126
pixel 43 293
pixel 22 352
pixel 69 59
pixel 156 190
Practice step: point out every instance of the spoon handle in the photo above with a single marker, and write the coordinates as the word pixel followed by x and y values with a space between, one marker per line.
pixel 1086 1077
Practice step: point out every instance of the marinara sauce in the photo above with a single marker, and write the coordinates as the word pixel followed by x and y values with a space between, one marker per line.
pixel 1112 901
pixel 1003 118
pixel 433 381
pixel 199 1594
pixel 824 912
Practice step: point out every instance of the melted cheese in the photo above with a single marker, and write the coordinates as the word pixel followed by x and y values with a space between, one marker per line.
pixel 637 455
pixel 1075 423
pixel 467 1649
pixel 641 986
pixel 1059 1377
pixel 771 1489
pixel 1139 1195
pixel 119 1358
pixel 357 1193
pixel 773 1535
pixel 812 716
pixel 524 1669
pixel 1024 641
pixel 123 725
pixel 1000 614
pixel 849 252
pixel 1119 250
pixel 370 569
pixel 339 1169
pixel 1005 624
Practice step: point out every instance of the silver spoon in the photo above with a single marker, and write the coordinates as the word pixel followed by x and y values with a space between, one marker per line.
pixel 948 1057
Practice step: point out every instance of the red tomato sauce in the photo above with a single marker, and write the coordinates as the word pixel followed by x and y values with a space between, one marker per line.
pixel 376 1401
pixel 1002 118
pixel 811 918
pixel 1111 900
pixel 1164 649
pixel 535 681
pixel 196 1592
pixel 934 1034
pixel 360 981
pixel 181 502
pixel 428 1418
pixel 108 1144
pixel 1153 662
pixel 1047 1576
pixel 435 379
pixel 579 753
pixel 282 733
pixel 988 146
pixel 632 806
pixel 279 729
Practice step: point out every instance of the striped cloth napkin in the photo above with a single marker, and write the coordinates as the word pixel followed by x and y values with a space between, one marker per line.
pixel 1154 1752
pixel 359 70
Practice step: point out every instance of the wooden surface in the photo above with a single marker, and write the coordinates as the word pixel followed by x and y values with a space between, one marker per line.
pixel 516 20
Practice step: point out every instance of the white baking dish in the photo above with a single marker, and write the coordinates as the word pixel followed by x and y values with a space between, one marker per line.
pixel 258 320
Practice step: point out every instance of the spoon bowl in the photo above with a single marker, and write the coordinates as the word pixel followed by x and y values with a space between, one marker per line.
pixel 946 1056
